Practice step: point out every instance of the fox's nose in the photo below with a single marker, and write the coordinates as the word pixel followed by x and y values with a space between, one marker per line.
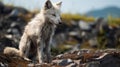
pixel 60 21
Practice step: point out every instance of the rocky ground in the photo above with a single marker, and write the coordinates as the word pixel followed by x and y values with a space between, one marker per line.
pixel 79 58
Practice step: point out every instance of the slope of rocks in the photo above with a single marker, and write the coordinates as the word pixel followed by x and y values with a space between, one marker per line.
pixel 79 58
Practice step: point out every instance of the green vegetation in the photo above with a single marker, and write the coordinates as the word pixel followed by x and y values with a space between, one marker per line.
pixel 67 17
pixel 113 21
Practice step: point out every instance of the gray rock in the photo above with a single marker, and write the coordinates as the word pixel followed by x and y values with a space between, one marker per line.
pixel 59 56
pixel 93 64
pixel 65 62
pixel 3 64
pixel 110 61
pixel 72 65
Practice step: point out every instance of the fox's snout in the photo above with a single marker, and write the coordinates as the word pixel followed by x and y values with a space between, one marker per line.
pixel 60 21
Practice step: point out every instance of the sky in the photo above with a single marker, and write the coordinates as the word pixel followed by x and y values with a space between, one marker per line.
pixel 71 6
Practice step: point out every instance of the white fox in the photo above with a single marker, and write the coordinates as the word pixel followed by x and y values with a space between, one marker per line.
pixel 38 33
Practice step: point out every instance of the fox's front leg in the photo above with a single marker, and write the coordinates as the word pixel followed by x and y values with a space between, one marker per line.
pixel 47 51
pixel 40 51
pixel 48 54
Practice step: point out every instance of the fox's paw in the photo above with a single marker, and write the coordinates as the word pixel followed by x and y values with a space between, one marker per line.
pixel 27 59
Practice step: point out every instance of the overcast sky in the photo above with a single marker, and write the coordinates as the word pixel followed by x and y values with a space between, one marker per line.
pixel 73 6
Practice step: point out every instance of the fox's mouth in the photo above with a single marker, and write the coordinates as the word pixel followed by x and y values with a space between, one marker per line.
pixel 58 23
pixel 52 22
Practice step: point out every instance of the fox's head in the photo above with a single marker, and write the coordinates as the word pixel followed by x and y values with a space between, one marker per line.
pixel 52 12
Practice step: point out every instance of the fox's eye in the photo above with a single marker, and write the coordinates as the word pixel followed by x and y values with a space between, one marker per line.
pixel 53 15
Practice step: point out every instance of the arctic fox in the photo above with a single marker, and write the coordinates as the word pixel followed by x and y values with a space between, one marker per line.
pixel 38 33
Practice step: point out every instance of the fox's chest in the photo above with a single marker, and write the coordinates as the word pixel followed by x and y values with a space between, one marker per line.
pixel 47 31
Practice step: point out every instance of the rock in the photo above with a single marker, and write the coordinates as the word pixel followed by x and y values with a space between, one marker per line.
pixel 93 42
pixel 72 65
pixel 6 42
pixel 83 25
pixel 59 56
pixel 65 62
pixel 3 65
pixel 77 61
pixel 110 61
pixel 102 56
pixel 1 7
pixel 39 65
pixel 7 10
pixel 93 64
pixel 21 10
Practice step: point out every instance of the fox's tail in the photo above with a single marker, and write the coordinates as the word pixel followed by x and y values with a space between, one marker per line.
pixel 14 52
pixel 11 51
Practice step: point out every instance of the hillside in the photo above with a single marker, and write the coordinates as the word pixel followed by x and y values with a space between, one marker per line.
pixel 113 11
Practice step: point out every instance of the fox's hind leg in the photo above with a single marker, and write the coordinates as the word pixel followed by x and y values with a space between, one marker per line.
pixel 24 46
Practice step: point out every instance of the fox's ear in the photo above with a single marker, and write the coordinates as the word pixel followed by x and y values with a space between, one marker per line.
pixel 59 4
pixel 48 4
